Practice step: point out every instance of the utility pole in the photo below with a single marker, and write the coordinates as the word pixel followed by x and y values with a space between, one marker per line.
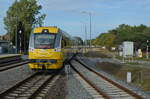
pixel 90 16
pixel 85 37
pixel 147 49
pixel 90 30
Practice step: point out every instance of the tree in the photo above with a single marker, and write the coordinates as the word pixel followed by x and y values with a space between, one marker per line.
pixel 124 33
pixel 28 13
pixel 105 39
pixel 138 34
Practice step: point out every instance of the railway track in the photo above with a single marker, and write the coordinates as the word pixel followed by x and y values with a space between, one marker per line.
pixel 34 87
pixel 12 64
pixel 104 86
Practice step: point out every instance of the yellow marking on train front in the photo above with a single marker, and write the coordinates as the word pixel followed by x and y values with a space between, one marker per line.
pixel 50 29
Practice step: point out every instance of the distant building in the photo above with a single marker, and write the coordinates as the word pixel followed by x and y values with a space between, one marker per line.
pixel 1 37
pixel 5 37
pixel 4 46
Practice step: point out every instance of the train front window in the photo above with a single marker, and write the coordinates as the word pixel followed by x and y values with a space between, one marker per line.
pixel 44 41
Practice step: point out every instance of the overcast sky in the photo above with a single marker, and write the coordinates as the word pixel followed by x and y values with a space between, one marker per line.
pixel 106 14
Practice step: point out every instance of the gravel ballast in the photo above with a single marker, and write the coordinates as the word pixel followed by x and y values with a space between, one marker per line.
pixel 12 76
pixel 68 87
pixel 75 89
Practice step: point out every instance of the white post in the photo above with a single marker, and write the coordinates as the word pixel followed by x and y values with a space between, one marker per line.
pixel 129 77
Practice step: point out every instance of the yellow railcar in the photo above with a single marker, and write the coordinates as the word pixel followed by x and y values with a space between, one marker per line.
pixel 45 50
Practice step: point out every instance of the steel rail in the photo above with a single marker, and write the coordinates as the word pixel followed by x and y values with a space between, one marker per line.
pixel 40 84
pixel 90 83
pixel 5 93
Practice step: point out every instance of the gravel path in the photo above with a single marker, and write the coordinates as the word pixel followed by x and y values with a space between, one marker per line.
pixel 12 76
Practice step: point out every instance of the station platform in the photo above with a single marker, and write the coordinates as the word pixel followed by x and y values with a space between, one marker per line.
pixel 9 57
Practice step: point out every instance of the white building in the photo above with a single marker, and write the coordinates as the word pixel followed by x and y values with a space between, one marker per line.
pixel 128 49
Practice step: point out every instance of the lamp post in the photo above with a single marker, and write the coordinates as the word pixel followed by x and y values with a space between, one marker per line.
pixel 90 16
pixel 16 28
pixel 90 31
pixel 20 33
pixel 85 37
pixel 85 31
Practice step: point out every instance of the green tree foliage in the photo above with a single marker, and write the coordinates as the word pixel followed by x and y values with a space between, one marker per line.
pixel 138 34
pixel 28 13
pixel 105 39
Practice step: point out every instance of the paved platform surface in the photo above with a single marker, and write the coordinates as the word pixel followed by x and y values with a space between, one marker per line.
pixel 8 55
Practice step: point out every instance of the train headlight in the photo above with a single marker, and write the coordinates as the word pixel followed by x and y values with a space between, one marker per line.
pixel 57 49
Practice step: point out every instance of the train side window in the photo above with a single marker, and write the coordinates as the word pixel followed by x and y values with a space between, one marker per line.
pixel 63 43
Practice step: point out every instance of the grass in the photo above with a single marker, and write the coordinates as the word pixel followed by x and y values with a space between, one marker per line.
pixel 98 52
pixel 140 76
pixel 135 58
